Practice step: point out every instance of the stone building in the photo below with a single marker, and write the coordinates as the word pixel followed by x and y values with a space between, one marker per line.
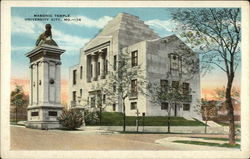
pixel 156 55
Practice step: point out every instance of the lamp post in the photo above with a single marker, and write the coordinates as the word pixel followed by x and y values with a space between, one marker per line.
pixel 143 115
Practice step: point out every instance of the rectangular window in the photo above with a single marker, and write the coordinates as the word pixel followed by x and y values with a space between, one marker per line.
pixel 81 72
pixel 52 113
pixel 81 93
pixel 186 107
pixel 115 62
pixel 114 107
pixel 34 113
pixel 98 68
pixel 114 87
pixel 74 95
pixel 92 102
pixel 106 67
pixel 74 77
pixel 88 68
pixel 104 98
pixel 133 105
pixel 98 99
pixel 134 87
pixel 134 59
pixel 175 85
pixel 164 106
pixel 164 85
pixel 91 70
pixel 174 63
pixel 185 88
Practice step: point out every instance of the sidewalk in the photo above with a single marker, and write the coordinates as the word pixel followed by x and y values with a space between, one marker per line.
pixel 181 146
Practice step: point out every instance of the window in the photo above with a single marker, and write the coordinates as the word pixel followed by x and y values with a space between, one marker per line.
pixel 174 61
pixel 164 106
pixel 114 87
pixel 115 62
pixel 92 102
pixel 134 58
pixel 186 107
pixel 52 113
pixel 74 77
pixel 34 113
pixel 74 95
pixel 185 88
pixel 81 72
pixel 134 87
pixel 164 85
pixel 91 70
pixel 98 69
pixel 104 98
pixel 81 93
pixel 133 105
pixel 175 85
pixel 106 67
pixel 99 99
pixel 114 107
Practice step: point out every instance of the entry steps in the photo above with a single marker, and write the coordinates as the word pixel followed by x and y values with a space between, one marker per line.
pixel 209 123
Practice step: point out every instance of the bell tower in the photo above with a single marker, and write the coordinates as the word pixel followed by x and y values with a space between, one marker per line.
pixel 45 83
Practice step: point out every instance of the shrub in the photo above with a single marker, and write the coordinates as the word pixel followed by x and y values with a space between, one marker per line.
pixel 91 118
pixel 71 119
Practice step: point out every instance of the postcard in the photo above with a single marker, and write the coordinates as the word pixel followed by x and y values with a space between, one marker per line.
pixel 124 79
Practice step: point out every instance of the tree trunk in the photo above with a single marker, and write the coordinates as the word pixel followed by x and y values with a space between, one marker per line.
pixel 168 124
pixel 206 126
pixel 16 114
pixel 100 117
pixel 124 117
pixel 230 110
pixel 169 113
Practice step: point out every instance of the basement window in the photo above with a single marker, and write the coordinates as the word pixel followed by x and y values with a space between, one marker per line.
pixel 164 106
pixel 34 113
pixel 186 107
pixel 52 113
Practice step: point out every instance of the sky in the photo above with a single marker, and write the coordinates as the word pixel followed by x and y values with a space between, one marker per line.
pixel 73 35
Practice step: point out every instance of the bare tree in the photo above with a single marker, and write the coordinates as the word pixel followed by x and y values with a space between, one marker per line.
pixel 216 33
pixel 207 109
pixel 219 93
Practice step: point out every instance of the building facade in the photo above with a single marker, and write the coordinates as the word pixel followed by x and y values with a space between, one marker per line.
pixel 158 57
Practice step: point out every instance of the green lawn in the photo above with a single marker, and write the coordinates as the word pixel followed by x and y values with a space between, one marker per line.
pixel 213 138
pixel 207 143
pixel 227 124
pixel 13 121
pixel 116 119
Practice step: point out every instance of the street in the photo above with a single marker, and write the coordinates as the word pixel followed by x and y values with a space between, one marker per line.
pixel 32 139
